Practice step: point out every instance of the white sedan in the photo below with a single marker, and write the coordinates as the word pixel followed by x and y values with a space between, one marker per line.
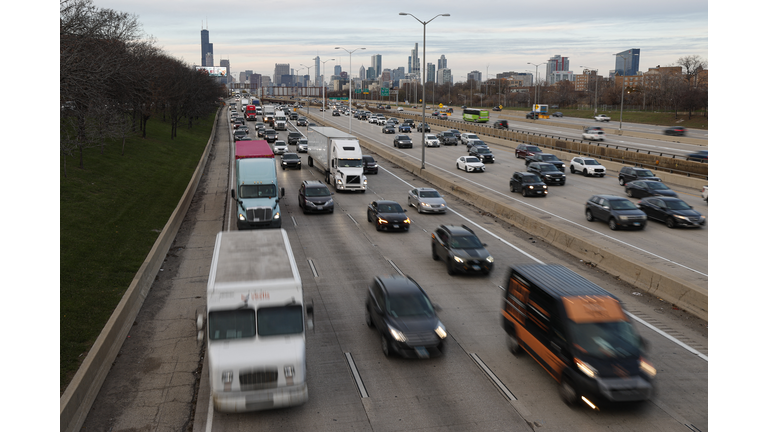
pixel 431 140
pixel 602 118
pixel 470 164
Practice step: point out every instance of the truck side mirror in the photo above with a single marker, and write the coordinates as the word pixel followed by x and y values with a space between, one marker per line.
pixel 233 193
pixel 282 191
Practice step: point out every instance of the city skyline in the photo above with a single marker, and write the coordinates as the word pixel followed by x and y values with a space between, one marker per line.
pixel 469 38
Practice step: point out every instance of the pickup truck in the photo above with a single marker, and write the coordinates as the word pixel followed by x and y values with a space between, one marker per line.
pixel 602 118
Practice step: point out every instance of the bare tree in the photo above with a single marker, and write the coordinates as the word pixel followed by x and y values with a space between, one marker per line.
pixel 694 95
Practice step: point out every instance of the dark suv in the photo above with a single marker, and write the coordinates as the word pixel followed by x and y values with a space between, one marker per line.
pixel 630 174
pixel 528 184
pixel 369 165
pixel 547 172
pixel 314 196
pixel 524 150
pixel 546 158
pixel 294 137
pixel 461 250
pixel 270 135
pixel 617 211
pixel 501 124
pixel 403 141
pixel 483 153
pixel 448 138
pixel 404 316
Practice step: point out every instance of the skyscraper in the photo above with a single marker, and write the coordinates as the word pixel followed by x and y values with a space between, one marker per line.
pixel 430 72
pixel 337 70
pixel 442 62
pixel 280 70
pixel 631 58
pixel 376 64
pixel 362 72
pixel 475 75
pixel 415 65
pixel 444 76
pixel 317 71
pixel 206 48
pixel 557 67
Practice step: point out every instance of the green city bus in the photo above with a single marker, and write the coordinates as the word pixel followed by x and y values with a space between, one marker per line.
pixel 475 115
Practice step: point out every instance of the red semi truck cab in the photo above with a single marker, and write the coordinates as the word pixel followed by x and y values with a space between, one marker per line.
pixel 250 112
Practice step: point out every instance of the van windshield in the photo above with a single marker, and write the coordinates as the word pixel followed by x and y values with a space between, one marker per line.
pixel 604 340
pixel 258 191
pixel 280 320
pixel 231 324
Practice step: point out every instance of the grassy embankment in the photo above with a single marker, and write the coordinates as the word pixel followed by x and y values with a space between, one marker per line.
pixel 111 214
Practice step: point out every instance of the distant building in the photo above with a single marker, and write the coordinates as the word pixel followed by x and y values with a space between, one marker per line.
pixel 517 79
pixel 630 58
pixel 205 48
pixel 415 65
pixel 430 72
pixel 280 70
pixel 444 76
pixel 376 64
pixel 442 62
pixel 475 75
pixel 337 70
pixel 557 69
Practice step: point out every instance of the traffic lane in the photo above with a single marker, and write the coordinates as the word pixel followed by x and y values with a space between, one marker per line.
pixel 567 209
pixel 470 310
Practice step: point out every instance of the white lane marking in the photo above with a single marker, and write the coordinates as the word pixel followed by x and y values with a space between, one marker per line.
pixel 499 385
pixel 209 414
pixel 538 261
pixel 356 374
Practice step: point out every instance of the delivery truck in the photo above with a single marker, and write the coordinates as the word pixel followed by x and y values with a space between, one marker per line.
pixel 338 156
pixel 254 323
pixel 255 192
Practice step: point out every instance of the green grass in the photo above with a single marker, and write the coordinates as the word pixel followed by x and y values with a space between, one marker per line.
pixel 697 121
pixel 111 214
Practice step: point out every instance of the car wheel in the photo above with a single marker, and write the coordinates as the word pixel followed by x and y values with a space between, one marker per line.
pixel 466 168
pixel 589 215
pixel 418 208
pixel 513 345
pixel 670 222
pixel 386 347
pixel 457 166
pixel 368 319
pixel 524 191
pixel 434 253
pixel 573 171
pixel 449 266
pixel 621 181
pixel 378 226
pixel 567 392
pixel 612 224
pixel 630 192
pixel 584 172
pixel 369 217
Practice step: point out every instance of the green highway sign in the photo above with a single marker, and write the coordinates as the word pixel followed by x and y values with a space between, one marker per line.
pixel 358 91
pixel 385 92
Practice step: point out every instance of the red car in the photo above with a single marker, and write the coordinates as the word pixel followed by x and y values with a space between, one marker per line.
pixel 525 150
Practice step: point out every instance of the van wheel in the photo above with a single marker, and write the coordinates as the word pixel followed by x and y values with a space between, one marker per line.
pixel 513 345
pixel 567 392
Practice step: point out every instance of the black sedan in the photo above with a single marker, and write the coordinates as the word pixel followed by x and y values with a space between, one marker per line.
pixel 617 211
pixel 290 160
pixel 672 211
pixel 388 129
pixel 404 316
pixel 644 188
pixel 700 156
pixel 675 131
pixel 557 114
pixel 403 141
pixel 547 172
pixel 388 216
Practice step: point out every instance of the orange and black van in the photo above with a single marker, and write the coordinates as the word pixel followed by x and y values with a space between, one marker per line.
pixel 578 332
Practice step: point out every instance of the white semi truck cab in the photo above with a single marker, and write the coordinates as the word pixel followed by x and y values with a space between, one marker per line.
pixel 338 155
pixel 255 323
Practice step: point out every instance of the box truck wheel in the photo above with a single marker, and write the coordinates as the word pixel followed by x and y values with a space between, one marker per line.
pixel 309 162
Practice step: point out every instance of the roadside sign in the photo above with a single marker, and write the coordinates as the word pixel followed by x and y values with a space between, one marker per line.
pixel 385 92
pixel 441 105
pixel 358 91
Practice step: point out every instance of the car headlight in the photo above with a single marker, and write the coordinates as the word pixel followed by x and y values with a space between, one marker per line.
pixel 382 221
pixel 277 216
pixel 681 217
pixel 489 259
pixel 530 187
pixel 458 259
pixel 545 186
pixel 241 216
pixel 586 368
pixel 624 218
pixel 407 221
pixel 440 330
pixel 647 368
pixel 397 334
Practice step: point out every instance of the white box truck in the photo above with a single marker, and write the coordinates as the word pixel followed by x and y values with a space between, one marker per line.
pixel 255 323
pixel 337 154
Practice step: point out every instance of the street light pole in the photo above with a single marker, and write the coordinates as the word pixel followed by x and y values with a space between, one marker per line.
pixel 536 94
pixel 305 85
pixel 323 84
pixel 350 83
pixel 424 86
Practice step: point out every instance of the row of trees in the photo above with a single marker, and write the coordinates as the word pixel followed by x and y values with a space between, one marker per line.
pixel 113 80
pixel 667 91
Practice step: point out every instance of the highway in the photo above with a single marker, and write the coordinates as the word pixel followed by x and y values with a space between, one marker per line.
pixel 476 385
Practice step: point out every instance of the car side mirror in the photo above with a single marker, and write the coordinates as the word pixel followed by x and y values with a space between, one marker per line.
pixel 233 193
pixel 405 211
pixel 485 245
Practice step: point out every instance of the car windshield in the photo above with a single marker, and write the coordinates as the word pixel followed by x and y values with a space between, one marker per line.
pixel 279 143
pixel 409 305
pixel 317 192
pixel 590 162
pixel 546 167
pixel 606 340
pixel 231 324
pixel 290 156
pixel 403 137
pixel 622 204
pixel 644 173
pixel 549 157
pixel 677 205
pixel 390 208
pixel 483 150
pixel 533 149
pixel 350 163
pixel 531 179
pixel 466 242
pixel 302 141
pixel 657 186
pixel 280 320
pixel 429 194
pixel 258 191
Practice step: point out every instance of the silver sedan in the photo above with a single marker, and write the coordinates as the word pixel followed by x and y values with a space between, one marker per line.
pixel 426 200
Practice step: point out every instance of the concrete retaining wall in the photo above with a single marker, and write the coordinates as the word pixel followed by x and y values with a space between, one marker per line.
pixel 645 278
pixel 84 387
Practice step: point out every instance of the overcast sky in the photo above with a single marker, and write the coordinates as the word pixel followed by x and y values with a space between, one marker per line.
pixel 493 36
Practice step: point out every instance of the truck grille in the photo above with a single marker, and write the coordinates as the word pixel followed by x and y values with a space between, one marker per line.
pixel 259 214
pixel 353 179
pixel 258 379
pixel 421 339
